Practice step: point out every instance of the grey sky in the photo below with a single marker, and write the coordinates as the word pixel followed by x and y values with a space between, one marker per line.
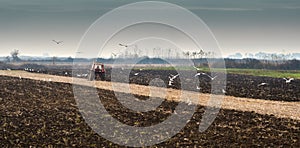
pixel 238 25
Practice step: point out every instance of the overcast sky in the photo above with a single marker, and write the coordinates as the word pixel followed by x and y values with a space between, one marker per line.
pixel 238 25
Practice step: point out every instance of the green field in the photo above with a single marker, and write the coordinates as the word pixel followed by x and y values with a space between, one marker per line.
pixel 255 72
pixel 263 72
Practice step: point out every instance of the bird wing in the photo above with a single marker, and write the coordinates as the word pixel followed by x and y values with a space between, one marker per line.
pixel 214 77
pixel 208 75
pixel 174 77
pixel 197 74
pixel 261 84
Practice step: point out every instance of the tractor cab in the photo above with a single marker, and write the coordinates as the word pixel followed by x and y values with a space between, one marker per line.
pixel 97 72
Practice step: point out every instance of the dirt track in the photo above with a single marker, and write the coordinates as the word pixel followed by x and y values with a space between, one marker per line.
pixel 277 108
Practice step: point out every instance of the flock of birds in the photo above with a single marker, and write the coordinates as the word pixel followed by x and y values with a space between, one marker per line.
pixel 212 78
pixel 82 75
pixel 287 81
pixel 32 70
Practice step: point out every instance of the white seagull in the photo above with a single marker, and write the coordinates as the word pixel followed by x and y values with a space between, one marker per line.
pixel 288 80
pixel 171 78
pixel 198 88
pixel 223 91
pixel 190 102
pixel 85 75
pixel 57 42
pixel 136 74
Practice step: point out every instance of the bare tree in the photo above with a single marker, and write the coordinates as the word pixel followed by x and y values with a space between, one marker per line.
pixel 53 60
pixel 186 54
pixel 169 53
pixel 7 59
pixel 194 54
pixel 15 55
pixel 201 53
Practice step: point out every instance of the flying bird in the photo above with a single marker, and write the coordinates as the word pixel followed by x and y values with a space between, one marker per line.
pixel 288 80
pixel 123 45
pixel 171 79
pixel 136 74
pixel 57 42
pixel 113 55
pixel 198 88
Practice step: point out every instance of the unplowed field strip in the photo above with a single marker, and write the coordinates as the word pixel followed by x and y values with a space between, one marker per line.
pixel 276 108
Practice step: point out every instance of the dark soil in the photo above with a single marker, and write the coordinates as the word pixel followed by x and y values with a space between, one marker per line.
pixel 38 113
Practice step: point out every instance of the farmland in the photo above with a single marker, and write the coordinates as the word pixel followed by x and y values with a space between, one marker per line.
pixel 37 112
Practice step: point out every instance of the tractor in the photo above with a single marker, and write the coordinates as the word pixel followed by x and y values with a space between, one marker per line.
pixel 97 72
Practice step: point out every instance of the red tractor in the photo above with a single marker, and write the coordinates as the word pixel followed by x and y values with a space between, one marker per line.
pixel 97 72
